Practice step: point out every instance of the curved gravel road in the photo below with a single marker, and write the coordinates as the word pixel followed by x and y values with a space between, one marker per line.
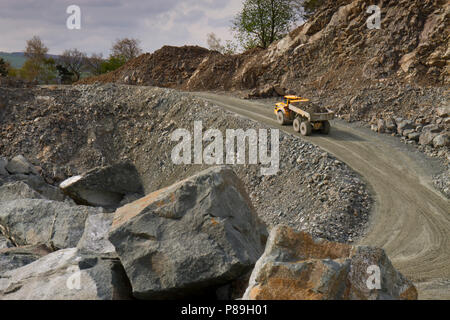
pixel 411 220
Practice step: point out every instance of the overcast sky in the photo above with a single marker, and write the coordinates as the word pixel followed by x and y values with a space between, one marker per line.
pixel 154 22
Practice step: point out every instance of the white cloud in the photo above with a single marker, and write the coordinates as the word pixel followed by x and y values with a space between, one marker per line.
pixel 155 23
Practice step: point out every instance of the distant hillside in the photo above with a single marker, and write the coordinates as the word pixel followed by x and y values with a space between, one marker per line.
pixel 17 59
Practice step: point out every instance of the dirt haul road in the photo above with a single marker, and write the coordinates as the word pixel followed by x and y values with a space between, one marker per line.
pixel 411 220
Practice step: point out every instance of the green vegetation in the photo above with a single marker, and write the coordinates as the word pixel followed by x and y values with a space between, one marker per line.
pixel 262 22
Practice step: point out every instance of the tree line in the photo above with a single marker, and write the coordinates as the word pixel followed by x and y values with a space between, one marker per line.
pixel 71 65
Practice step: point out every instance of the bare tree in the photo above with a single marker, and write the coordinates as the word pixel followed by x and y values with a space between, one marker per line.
pixel 126 48
pixel 215 43
pixel 36 49
pixel 94 63
pixel 74 61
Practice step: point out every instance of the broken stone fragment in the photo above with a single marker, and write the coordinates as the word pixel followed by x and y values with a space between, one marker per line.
pixel 104 186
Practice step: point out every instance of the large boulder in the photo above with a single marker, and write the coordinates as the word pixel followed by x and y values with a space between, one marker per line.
pixel 189 238
pixel 296 266
pixel 56 224
pixel 17 190
pixel 66 275
pixel 95 236
pixel 20 165
pixel 104 186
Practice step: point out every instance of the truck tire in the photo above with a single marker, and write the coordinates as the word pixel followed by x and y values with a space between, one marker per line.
pixel 306 128
pixel 326 127
pixel 296 125
pixel 280 118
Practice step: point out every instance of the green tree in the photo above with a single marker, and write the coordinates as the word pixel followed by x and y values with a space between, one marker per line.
pixel 126 48
pixel 38 68
pixel 262 22
pixel 112 64
pixel 40 71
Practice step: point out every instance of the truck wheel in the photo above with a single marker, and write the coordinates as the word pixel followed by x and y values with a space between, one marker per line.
pixel 296 125
pixel 325 127
pixel 305 128
pixel 280 118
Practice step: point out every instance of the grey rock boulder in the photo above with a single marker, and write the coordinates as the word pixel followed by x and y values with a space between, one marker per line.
pixel 414 136
pixel 441 140
pixel 17 190
pixel 105 186
pixel 56 224
pixel 66 275
pixel 196 235
pixel 95 236
pixel 404 125
pixel 407 132
pixel 20 165
pixel 427 137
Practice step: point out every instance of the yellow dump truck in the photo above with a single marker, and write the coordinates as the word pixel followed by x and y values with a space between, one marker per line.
pixel 304 115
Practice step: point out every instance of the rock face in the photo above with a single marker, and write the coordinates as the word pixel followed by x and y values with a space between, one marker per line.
pixel 104 187
pixel 17 190
pixel 296 266
pixel 195 235
pixel 66 275
pixel 56 224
